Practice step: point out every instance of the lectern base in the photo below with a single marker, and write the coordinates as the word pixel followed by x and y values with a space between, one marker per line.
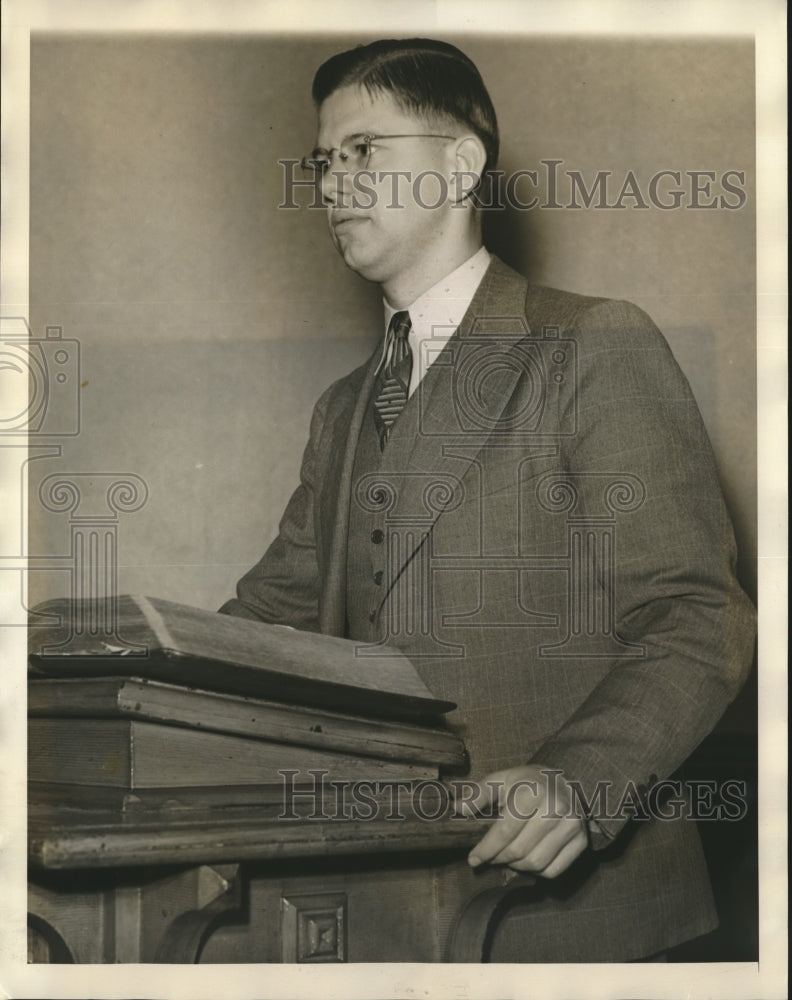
pixel 349 909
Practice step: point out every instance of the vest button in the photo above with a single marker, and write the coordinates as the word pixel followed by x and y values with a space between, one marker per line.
pixel 377 536
pixel 373 617
pixel 378 577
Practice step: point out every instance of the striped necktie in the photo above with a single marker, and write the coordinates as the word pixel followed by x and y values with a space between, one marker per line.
pixel 395 378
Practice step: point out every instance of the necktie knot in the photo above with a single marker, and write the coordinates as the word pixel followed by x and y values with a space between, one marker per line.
pixel 397 343
pixel 400 325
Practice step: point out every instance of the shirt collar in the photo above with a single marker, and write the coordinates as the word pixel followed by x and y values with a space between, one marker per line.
pixel 438 312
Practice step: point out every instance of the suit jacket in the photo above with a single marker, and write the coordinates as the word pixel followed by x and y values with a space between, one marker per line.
pixel 561 565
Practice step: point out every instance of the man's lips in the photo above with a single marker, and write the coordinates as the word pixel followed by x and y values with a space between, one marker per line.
pixel 343 219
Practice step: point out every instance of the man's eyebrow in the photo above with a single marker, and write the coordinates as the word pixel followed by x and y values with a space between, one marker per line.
pixel 350 135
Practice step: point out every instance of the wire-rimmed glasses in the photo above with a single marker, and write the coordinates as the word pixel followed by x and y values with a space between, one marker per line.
pixel 354 152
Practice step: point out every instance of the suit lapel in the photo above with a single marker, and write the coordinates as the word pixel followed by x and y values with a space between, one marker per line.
pixel 419 452
pixel 447 420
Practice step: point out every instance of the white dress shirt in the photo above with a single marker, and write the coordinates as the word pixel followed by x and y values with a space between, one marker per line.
pixel 437 313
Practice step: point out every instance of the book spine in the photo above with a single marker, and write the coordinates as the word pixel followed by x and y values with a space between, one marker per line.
pixel 247 717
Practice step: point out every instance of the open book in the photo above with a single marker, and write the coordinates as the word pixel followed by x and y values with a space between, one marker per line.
pixel 160 640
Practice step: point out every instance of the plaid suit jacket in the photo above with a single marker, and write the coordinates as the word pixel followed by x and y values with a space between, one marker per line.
pixel 573 563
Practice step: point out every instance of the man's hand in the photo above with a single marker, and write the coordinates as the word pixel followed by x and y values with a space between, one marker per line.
pixel 538 829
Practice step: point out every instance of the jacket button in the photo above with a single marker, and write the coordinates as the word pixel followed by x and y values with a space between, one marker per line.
pixel 378 577
pixel 373 617
pixel 377 536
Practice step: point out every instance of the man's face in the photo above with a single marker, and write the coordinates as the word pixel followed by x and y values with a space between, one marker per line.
pixel 381 229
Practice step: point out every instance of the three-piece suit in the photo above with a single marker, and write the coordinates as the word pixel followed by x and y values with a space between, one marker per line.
pixel 545 537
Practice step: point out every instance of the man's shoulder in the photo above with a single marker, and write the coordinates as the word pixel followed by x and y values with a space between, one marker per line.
pixel 547 306
pixel 343 393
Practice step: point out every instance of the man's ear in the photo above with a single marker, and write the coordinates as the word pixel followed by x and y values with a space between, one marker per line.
pixel 470 158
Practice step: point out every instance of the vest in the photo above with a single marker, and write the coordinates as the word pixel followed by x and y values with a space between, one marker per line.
pixel 366 555
pixel 374 494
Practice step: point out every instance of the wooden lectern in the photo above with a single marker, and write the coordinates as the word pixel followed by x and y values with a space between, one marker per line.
pixel 203 788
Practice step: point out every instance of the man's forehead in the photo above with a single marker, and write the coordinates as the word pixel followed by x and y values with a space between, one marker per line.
pixel 353 109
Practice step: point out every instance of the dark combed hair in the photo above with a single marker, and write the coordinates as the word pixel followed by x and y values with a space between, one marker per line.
pixel 425 77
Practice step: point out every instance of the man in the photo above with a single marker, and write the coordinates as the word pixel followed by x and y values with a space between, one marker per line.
pixel 517 491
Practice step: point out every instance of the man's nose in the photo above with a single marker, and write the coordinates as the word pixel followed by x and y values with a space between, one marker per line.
pixel 336 186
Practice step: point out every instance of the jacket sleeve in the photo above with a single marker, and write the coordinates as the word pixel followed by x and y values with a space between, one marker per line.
pixel 674 589
pixel 283 587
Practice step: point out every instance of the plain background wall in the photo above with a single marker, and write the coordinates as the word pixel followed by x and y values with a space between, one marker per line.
pixel 210 321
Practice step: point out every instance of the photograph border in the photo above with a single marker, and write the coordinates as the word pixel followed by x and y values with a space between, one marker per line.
pixel 765 22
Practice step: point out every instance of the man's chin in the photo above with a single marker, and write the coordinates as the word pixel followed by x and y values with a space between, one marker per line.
pixel 360 263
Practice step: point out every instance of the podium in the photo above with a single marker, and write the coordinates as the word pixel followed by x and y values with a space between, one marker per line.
pixel 218 790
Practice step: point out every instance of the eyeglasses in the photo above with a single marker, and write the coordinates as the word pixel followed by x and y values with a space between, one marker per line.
pixel 354 152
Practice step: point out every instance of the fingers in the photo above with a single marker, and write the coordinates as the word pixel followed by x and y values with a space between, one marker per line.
pixel 537 845
pixel 566 856
pixel 495 841
pixel 479 796
pixel 547 849
pixel 537 830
